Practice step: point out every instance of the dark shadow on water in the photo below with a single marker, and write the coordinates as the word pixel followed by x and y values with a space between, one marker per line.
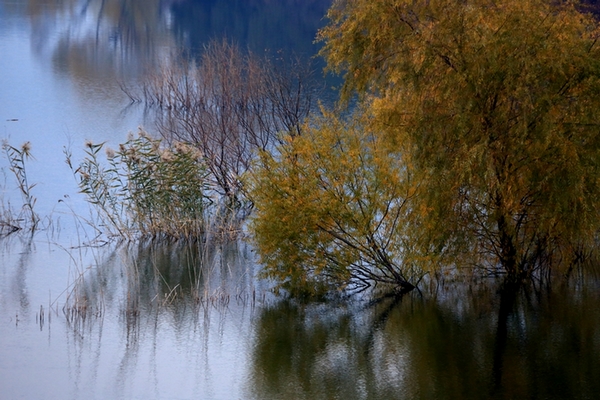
pixel 508 295
pixel 495 340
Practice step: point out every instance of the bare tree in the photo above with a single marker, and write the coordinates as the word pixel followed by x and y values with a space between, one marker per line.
pixel 230 104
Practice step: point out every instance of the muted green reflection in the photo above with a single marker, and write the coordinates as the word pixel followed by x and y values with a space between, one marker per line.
pixel 495 342
pixel 165 275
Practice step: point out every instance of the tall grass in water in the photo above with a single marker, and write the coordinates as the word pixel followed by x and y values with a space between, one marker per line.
pixel 16 158
pixel 147 190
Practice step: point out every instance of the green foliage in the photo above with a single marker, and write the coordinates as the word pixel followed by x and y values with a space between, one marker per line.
pixel 494 108
pixel 331 210
pixel 147 190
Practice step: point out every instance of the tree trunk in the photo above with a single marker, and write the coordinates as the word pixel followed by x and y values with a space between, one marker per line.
pixel 508 251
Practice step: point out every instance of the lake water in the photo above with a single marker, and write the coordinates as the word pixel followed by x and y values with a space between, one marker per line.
pixel 147 321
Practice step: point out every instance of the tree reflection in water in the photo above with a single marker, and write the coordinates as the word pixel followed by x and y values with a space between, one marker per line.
pixel 158 318
pixel 494 341
pixel 191 309
pixel 112 39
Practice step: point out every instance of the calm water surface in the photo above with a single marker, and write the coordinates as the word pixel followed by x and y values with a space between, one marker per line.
pixel 187 321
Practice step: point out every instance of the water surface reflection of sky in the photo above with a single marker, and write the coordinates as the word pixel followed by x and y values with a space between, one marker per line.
pixel 61 66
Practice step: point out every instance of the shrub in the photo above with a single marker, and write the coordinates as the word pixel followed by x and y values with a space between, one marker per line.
pixel 331 211
pixel 148 190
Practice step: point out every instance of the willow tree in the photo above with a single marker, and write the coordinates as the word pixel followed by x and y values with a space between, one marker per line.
pixel 494 108
pixel 332 207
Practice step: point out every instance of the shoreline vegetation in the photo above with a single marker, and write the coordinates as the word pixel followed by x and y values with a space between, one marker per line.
pixel 464 145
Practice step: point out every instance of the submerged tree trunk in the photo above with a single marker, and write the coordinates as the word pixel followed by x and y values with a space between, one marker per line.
pixel 507 250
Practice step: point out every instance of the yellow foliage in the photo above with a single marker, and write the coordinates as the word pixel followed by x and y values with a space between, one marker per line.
pixel 332 209
pixel 493 107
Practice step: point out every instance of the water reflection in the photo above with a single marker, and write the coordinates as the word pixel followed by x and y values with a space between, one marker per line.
pixel 260 25
pixel 492 343
pixel 107 39
pixel 19 285
pixel 166 276
pixel 181 320
pixel 162 319
pixel 99 38
pixel 15 259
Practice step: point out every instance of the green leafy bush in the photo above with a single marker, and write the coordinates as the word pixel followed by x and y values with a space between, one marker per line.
pixel 147 190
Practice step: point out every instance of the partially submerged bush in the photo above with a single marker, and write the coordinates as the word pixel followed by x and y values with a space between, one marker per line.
pixel 494 108
pixel 332 210
pixel 147 190
pixel 229 104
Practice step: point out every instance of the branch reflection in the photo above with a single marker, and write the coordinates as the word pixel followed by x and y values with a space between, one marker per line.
pixel 491 341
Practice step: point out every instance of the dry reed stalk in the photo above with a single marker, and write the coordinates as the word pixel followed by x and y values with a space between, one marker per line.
pixel 17 158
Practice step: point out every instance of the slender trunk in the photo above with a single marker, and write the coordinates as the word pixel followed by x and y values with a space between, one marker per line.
pixel 508 251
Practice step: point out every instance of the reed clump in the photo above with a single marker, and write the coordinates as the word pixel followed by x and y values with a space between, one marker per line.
pixel 27 218
pixel 146 189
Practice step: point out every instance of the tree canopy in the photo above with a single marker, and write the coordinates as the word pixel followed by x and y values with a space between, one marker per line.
pixel 494 105
pixel 488 111
pixel 332 208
